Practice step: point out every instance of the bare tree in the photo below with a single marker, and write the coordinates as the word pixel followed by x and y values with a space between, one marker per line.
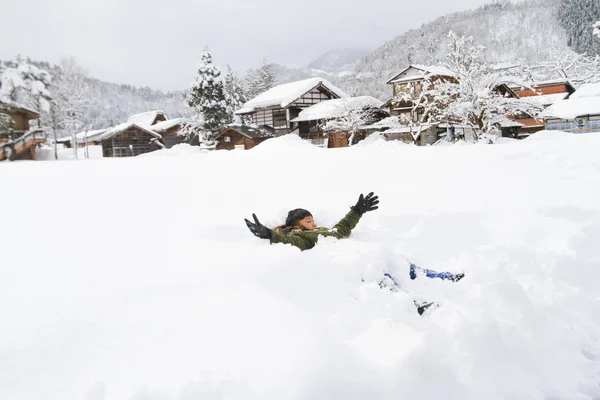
pixel 72 98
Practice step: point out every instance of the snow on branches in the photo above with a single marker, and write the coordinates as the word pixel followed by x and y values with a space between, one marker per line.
pixel 474 94
pixel 207 97
pixel 24 83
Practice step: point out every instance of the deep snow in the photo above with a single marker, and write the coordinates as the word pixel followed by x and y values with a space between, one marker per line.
pixel 137 278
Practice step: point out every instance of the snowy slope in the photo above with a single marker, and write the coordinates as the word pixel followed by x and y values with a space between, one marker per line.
pixel 137 278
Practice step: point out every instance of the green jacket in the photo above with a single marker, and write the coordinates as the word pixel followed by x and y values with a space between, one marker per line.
pixel 306 239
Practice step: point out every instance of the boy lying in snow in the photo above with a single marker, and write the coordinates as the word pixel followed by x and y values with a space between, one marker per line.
pixel 300 230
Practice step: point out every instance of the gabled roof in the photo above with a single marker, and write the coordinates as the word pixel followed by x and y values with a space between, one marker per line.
pixel 251 131
pixel 336 108
pixel 420 72
pixel 168 124
pixel 145 119
pixel 284 95
pixel 114 131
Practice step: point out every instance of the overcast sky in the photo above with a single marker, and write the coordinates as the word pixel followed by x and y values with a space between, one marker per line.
pixel 158 43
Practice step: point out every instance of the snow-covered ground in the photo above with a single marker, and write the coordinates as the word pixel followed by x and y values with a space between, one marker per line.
pixel 137 278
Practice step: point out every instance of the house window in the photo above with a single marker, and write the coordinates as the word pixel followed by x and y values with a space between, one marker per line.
pixel 279 119
pixel 227 139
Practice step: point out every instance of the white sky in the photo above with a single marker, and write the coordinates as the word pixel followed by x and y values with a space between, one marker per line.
pixel 158 43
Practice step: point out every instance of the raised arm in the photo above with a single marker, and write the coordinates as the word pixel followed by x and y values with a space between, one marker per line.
pixel 364 204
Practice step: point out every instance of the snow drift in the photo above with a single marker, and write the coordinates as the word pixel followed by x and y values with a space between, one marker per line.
pixel 137 278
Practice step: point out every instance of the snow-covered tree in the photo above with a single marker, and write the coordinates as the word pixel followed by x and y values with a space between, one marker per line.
pixel 207 96
pixel 24 83
pixel 596 31
pixel 260 80
pixel 577 17
pixel 473 96
pixel 234 95
pixel 352 120
pixel 71 99
pixel 566 64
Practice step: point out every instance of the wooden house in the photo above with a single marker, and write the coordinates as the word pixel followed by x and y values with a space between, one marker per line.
pixel 277 107
pixel 17 139
pixel 580 113
pixel 351 112
pixel 243 137
pixel 408 85
pixel 169 130
pixel 541 95
pixel 147 119
pixel 128 140
pixel 92 138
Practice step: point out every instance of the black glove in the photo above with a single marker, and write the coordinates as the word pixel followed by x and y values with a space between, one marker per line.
pixel 458 277
pixel 365 204
pixel 258 229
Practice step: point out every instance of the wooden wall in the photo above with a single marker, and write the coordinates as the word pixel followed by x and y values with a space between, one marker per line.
pixel 237 139
pixel 129 143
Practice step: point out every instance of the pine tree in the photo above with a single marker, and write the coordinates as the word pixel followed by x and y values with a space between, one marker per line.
pixel 207 96
pixel 577 17
pixel 260 80
pixel 234 95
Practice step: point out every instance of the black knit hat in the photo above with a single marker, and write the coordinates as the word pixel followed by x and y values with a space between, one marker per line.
pixel 296 215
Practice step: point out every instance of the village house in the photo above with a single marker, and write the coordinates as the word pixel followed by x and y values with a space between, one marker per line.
pixel 541 95
pixel 17 140
pixel 129 140
pixel 136 128
pixel 349 115
pixel 580 113
pixel 243 137
pixel 169 130
pixel 408 84
pixel 278 106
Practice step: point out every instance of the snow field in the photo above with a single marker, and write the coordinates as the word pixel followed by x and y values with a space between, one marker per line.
pixel 137 278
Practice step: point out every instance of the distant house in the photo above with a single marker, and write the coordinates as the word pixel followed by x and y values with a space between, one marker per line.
pixel 364 109
pixel 128 140
pixel 147 119
pixel 542 95
pixel 408 84
pixel 169 130
pixel 277 107
pixel 243 137
pixel 580 113
pixel 393 128
pixel 17 140
pixel 92 138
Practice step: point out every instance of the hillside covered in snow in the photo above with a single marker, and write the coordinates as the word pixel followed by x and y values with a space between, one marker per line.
pixel 521 32
pixel 137 278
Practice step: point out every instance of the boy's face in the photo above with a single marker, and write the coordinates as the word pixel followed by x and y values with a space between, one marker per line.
pixel 307 223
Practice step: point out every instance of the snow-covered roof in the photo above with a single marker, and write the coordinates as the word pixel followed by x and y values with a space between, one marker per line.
pixel 284 95
pixel 91 135
pixel 587 90
pixel 336 108
pixel 421 72
pixel 386 123
pixel 544 100
pixel 251 131
pixel 573 108
pixel 168 124
pixel 145 119
pixel 18 106
pixel 114 131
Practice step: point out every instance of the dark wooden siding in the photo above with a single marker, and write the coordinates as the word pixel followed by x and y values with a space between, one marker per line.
pixel 130 143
